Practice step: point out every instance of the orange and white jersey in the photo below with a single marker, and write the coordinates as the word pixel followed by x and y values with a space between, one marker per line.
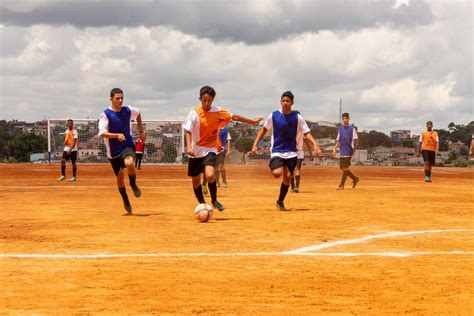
pixel 429 140
pixel 299 145
pixel 204 127
pixel 69 137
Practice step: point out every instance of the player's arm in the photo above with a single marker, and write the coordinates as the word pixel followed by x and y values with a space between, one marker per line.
pixel 257 139
pixel 239 118
pixel 228 148
pixel 189 146
pixel 141 132
pixel 356 144
pixel 336 147
pixel 316 149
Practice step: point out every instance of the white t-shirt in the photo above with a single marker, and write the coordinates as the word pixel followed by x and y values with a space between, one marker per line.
pixel 302 128
pixel 299 145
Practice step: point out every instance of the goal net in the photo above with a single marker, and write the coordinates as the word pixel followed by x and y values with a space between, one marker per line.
pixel 164 141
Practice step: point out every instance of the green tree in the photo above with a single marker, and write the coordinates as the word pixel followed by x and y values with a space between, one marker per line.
pixel 168 150
pixel 324 132
pixel 244 145
pixel 6 133
pixel 22 145
pixel 372 139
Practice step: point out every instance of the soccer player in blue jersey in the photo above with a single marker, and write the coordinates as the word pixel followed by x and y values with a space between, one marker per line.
pixel 285 124
pixel 224 152
pixel 115 129
pixel 346 141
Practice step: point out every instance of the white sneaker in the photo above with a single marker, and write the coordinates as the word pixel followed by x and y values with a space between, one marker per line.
pixel 61 178
pixel 73 179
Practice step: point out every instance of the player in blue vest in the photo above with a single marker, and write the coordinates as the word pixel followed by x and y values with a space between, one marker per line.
pixel 346 141
pixel 224 152
pixel 285 125
pixel 115 129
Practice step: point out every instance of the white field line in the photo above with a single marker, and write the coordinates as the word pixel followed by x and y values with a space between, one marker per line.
pixel 367 238
pixel 297 252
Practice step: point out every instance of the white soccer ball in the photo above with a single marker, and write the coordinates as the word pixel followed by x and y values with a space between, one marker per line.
pixel 203 212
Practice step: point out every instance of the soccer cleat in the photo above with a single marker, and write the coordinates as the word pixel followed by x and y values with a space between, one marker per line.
pixel 427 179
pixel 136 190
pixel 61 178
pixel 354 183
pixel 280 206
pixel 73 179
pixel 204 190
pixel 225 185
pixel 339 188
pixel 292 190
pixel 127 206
pixel 218 205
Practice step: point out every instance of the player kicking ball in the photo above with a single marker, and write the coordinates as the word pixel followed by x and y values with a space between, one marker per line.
pixel 285 125
pixel 202 128
pixel 114 128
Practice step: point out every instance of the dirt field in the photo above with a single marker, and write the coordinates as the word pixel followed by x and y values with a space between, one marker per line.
pixel 393 245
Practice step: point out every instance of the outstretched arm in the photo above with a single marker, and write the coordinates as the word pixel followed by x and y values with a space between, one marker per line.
pixel 141 132
pixel 257 139
pixel 238 118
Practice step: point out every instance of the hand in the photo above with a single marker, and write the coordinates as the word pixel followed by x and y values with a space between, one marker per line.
pixel 257 120
pixel 317 152
pixel 121 137
pixel 334 153
pixel 191 153
pixel 227 154
pixel 142 135
pixel 418 154
pixel 254 149
pixel 69 151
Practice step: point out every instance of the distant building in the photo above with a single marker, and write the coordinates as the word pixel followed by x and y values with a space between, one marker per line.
pixel 456 146
pixel 399 136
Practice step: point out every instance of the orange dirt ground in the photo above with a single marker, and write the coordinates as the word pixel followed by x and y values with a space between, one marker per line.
pixel 236 264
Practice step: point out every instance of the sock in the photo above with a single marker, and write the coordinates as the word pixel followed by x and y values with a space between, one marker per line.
pixel 140 163
pixel 224 176
pixel 344 177
pixel 133 179
pixel 74 169
pixel 427 173
pixel 213 190
pixel 124 195
pixel 63 170
pixel 350 174
pixel 283 192
pixel 199 195
pixel 292 183
pixel 297 178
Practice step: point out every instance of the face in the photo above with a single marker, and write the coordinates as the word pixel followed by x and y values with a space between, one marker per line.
pixel 286 104
pixel 345 120
pixel 117 100
pixel 70 124
pixel 206 101
pixel 429 126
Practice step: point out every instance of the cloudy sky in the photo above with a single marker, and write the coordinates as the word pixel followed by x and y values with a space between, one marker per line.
pixel 395 64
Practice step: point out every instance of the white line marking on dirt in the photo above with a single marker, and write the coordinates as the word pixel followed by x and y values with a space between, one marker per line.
pixel 306 251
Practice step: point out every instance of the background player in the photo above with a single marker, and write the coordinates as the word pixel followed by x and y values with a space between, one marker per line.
pixel 70 151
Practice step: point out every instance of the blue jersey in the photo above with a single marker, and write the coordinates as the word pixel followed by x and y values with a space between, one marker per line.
pixel 285 128
pixel 346 137
pixel 118 122
pixel 223 133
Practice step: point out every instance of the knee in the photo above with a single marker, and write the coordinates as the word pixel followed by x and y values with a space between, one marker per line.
pixel 211 178
pixel 276 174
pixel 128 161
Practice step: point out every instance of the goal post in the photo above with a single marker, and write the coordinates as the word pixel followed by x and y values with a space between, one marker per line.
pixel 164 141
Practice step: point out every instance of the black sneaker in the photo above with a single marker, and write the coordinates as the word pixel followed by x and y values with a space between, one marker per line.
pixel 354 183
pixel 280 206
pixel 136 190
pixel 218 205
pixel 128 206
pixel 341 187
pixel 297 190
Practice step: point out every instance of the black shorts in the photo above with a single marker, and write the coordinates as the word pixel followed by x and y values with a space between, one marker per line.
pixel 278 162
pixel 429 155
pixel 72 156
pixel 118 162
pixel 220 158
pixel 299 163
pixel 345 162
pixel 196 166
pixel 139 155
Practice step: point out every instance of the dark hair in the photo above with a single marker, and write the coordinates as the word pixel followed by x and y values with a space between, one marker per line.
pixel 345 114
pixel 288 94
pixel 207 90
pixel 114 91
pixel 429 123
pixel 70 120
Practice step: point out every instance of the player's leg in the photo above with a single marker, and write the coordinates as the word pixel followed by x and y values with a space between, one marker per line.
pixel 277 165
pixel 223 173
pixel 297 175
pixel 204 185
pixel 209 172
pixel 288 170
pixel 63 166
pixel 74 165
pixel 129 162
pixel 349 173
pixel 139 159
pixel 344 167
pixel 195 169
pixel 117 166
pixel 427 167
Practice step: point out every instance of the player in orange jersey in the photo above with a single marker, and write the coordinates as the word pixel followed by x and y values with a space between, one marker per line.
pixel 70 151
pixel 202 128
pixel 429 147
